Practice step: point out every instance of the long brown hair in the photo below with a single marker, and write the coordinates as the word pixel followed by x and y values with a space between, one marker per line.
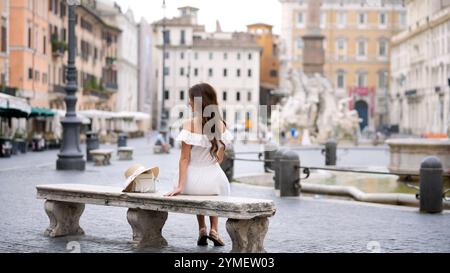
pixel 211 116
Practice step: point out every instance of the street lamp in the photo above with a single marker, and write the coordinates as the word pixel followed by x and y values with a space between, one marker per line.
pixel 163 121
pixel 70 156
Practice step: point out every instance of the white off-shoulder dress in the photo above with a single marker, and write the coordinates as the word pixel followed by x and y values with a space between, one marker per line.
pixel 204 174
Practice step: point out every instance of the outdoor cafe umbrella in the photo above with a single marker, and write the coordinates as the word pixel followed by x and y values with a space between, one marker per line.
pixel 13 107
pixel 41 112
pixel 56 123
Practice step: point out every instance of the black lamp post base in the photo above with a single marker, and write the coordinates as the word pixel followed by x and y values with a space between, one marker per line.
pixel 70 164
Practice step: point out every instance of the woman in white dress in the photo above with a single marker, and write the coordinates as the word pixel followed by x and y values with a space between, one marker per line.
pixel 203 141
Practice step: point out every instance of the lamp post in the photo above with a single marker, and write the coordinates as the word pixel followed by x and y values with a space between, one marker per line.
pixel 70 156
pixel 163 121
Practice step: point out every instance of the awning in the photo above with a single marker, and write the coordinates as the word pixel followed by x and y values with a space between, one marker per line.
pixel 93 113
pixel 135 115
pixel 62 113
pixel 14 107
pixel 41 112
pixel 114 115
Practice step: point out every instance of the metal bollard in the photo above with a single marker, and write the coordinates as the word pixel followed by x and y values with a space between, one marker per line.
pixel 227 164
pixel 330 152
pixel 269 154
pixel 431 185
pixel 290 174
pixel 277 166
pixel 122 140
pixel 92 143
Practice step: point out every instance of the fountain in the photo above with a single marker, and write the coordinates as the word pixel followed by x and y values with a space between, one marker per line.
pixel 311 105
pixel 313 108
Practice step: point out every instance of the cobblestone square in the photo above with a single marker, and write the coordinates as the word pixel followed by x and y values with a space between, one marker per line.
pixel 304 224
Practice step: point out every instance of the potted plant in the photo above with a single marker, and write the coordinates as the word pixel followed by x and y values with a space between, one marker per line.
pixel 58 46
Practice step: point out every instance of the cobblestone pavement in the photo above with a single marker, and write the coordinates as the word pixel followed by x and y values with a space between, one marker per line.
pixel 302 224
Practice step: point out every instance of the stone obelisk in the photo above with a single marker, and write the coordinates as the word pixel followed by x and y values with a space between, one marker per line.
pixel 313 52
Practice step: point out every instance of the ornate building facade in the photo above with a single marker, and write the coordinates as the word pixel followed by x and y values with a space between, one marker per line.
pixel 356 42
pixel 420 69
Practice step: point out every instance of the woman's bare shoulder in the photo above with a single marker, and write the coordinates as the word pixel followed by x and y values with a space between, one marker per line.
pixel 187 124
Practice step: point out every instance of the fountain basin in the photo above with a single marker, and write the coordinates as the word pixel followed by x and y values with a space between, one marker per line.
pixel 407 154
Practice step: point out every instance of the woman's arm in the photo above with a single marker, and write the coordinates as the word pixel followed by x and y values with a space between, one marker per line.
pixel 221 154
pixel 183 165
pixel 221 151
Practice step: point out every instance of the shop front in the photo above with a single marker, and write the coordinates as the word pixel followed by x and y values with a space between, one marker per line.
pixel 13 114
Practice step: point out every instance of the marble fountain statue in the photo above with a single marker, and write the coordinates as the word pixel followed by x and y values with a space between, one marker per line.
pixel 312 107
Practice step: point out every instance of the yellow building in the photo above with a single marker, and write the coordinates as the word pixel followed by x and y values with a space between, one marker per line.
pixel 269 64
pixel 357 36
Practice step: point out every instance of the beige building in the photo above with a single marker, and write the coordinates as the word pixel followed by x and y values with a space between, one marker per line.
pixel 357 48
pixel 420 69
pixel 95 61
pixel 127 53
pixel 227 60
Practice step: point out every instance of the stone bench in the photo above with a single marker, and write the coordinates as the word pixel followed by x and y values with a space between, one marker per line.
pixel 101 157
pixel 247 222
pixel 158 149
pixel 125 153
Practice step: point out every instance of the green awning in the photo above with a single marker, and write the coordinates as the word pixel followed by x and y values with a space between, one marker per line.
pixel 12 113
pixel 41 112
pixel 13 107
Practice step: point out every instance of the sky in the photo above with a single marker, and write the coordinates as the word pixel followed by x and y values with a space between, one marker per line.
pixel 233 15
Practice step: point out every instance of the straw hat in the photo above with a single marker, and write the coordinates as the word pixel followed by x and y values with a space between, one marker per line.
pixel 134 171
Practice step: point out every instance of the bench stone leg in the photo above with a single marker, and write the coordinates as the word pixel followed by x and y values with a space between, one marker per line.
pixel 64 218
pixel 98 160
pixel 248 235
pixel 125 156
pixel 147 226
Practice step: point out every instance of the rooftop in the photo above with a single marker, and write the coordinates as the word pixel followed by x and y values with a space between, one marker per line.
pixel 237 40
pixel 176 21
pixel 188 7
